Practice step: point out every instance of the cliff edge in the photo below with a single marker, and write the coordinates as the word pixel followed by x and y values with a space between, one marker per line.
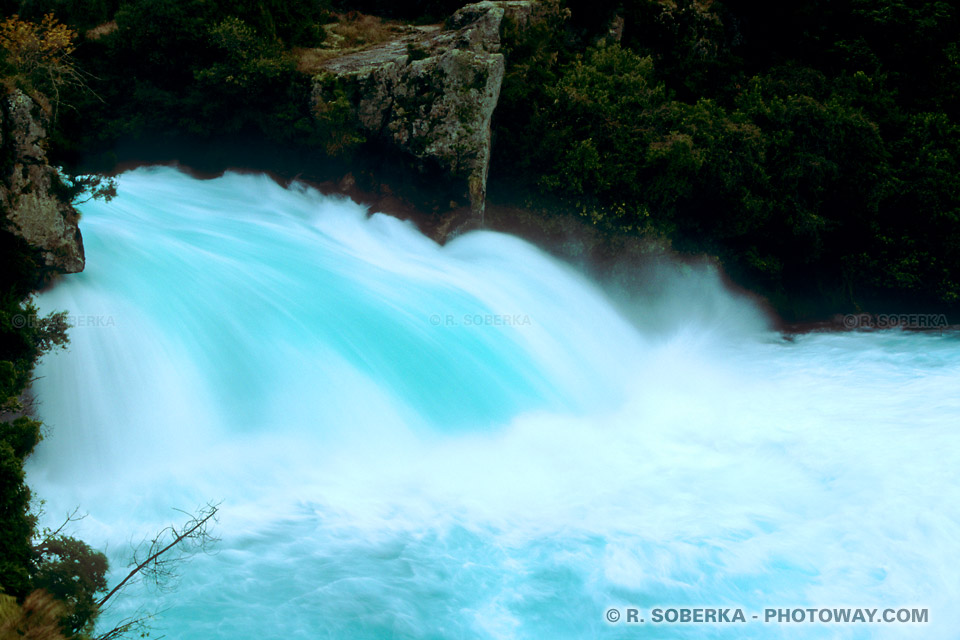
pixel 432 93
pixel 32 203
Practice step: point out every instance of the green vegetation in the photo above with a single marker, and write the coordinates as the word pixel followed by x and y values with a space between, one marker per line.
pixel 190 72
pixel 49 581
pixel 63 567
pixel 191 68
pixel 812 147
pixel 422 11
pixel 336 132
pixel 36 57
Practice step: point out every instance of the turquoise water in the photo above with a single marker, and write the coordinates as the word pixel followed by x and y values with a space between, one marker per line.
pixel 470 441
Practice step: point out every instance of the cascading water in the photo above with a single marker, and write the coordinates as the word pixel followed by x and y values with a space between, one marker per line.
pixel 414 441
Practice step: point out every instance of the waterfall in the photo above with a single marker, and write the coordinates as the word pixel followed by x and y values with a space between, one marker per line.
pixel 471 441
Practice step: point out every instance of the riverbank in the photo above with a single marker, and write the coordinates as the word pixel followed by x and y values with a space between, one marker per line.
pixel 821 179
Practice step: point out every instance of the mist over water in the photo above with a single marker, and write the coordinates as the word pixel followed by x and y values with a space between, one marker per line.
pixel 470 441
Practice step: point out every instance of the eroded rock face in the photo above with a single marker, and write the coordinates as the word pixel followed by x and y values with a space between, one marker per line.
pixel 433 93
pixel 30 208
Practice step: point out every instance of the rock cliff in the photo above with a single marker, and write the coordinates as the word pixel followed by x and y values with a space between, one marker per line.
pixel 30 205
pixel 432 93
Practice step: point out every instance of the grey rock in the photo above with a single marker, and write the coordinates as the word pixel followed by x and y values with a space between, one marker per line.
pixel 433 93
pixel 30 206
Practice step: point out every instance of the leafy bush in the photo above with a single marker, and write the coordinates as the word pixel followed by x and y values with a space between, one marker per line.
pixel 604 114
pixel 17 524
pixel 812 147
pixel 691 47
pixel 24 337
pixel 74 574
pixel 336 130
pixel 36 56
pixel 533 58
pixel 65 567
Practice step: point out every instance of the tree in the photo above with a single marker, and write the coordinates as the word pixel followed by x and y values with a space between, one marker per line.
pixel 24 337
pixel 17 440
pixel 73 573
pixel 37 55
pixel 156 560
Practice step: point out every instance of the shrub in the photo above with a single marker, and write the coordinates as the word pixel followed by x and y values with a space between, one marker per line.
pixel 37 55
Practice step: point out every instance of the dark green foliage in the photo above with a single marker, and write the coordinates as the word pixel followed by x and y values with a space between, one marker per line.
pixel 915 238
pixel 691 46
pixel 532 55
pixel 424 11
pixel 589 18
pixel 246 73
pixel 415 53
pixel 155 29
pixel 24 337
pixel 616 146
pixel 67 568
pixel 81 14
pixel 297 23
pixel 164 39
pixel 17 524
pixel 912 41
pixel 194 69
pixel 823 155
pixel 336 130
pixel 605 112
pixel 812 147
pixel 72 572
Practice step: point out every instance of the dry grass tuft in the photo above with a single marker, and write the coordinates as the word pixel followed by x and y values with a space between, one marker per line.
pixel 101 30
pixel 353 31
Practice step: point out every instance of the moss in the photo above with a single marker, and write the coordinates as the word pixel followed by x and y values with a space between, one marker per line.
pixel 335 126
pixel 416 52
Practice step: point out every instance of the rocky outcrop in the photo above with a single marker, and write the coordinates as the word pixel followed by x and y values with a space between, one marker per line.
pixel 432 93
pixel 30 206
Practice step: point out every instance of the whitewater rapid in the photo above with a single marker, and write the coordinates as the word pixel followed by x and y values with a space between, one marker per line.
pixel 471 441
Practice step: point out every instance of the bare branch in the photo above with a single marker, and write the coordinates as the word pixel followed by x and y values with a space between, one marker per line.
pixel 137 624
pixel 71 517
pixel 160 568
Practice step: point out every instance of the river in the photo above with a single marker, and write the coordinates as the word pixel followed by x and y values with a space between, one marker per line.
pixel 473 441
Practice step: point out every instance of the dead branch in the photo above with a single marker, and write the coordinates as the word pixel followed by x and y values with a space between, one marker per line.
pixel 159 567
